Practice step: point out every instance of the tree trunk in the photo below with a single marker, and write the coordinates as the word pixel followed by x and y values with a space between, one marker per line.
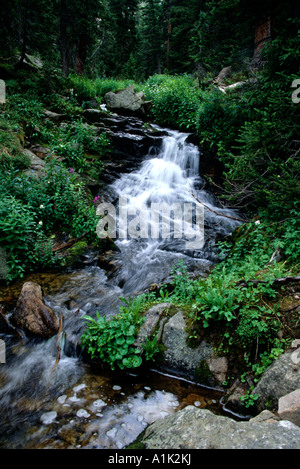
pixel 81 55
pixel 64 49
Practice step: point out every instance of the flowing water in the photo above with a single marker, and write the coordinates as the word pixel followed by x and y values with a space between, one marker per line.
pixel 69 404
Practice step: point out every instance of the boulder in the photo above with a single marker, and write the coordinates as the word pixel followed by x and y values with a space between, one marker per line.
pixel 54 116
pixel 36 164
pixel 181 359
pixel 223 75
pixel 281 378
pixel 32 315
pixel 289 407
pixel 152 318
pixel 194 428
pixel 93 115
pixel 40 151
pixel 127 102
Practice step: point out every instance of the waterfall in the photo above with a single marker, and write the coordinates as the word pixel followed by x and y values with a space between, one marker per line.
pixel 161 192
pixel 30 383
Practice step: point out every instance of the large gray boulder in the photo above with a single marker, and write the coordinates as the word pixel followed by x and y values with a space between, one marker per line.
pixel 194 428
pixel 126 102
pixel 198 363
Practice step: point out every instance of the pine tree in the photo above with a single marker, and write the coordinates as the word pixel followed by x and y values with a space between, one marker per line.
pixel 150 38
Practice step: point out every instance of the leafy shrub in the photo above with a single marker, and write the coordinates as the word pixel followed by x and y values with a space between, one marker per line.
pixel 11 154
pixel 86 89
pixel 218 120
pixel 32 209
pixel 25 110
pixel 175 100
pixel 111 340
pixel 17 228
pixel 76 143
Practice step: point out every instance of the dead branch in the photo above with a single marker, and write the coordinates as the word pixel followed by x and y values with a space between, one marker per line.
pixel 69 243
pixel 214 211
pixel 274 283
pixel 57 343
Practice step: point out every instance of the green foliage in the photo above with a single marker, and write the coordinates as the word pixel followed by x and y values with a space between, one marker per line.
pixel 32 209
pixel 233 299
pixel 175 100
pixel 86 88
pixel 25 110
pixel 218 120
pixel 11 151
pixel 77 144
pixel 17 227
pixel 151 349
pixel 111 340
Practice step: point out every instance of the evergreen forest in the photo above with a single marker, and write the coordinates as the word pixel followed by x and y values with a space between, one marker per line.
pixel 226 72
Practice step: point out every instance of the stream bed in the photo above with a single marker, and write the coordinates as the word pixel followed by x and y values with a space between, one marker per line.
pixel 45 403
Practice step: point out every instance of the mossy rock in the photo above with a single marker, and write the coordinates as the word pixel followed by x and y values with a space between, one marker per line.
pixel 202 373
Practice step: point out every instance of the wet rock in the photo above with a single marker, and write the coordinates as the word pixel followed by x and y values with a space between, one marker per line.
pixel 194 428
pixel 54 116
pixel 32 315
pixel 265 416
pixel 218 367
pixel 281 378
pixel 4 324
pixel 36 164
pixel 234 394
pixel 152 318
pixel 289 407
pixel 93 115
pixel 179 358
pixel 40 151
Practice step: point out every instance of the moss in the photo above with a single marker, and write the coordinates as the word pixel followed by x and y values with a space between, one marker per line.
pixel 202 373
pixel 75 252
pixel 137 443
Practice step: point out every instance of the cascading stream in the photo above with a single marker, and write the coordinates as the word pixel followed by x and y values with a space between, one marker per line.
pixel 30 384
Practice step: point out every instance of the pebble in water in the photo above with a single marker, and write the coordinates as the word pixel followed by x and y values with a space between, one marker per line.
pixel 82 413
pixel 116 387
pixel 48 417
pixel 62 399
pixel 79 387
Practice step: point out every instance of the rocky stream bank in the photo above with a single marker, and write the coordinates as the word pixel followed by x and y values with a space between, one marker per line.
pixel 26 311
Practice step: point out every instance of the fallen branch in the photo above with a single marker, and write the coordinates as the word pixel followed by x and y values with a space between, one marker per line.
pixel 69 243
pixel 217 213
pixel 57 343
pixel 276 282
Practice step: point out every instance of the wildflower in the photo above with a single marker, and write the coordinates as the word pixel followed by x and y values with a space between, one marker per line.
pixel 257 222
pixel 71 170
pixel 96 198
pixel 42 206
pixel 40 223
